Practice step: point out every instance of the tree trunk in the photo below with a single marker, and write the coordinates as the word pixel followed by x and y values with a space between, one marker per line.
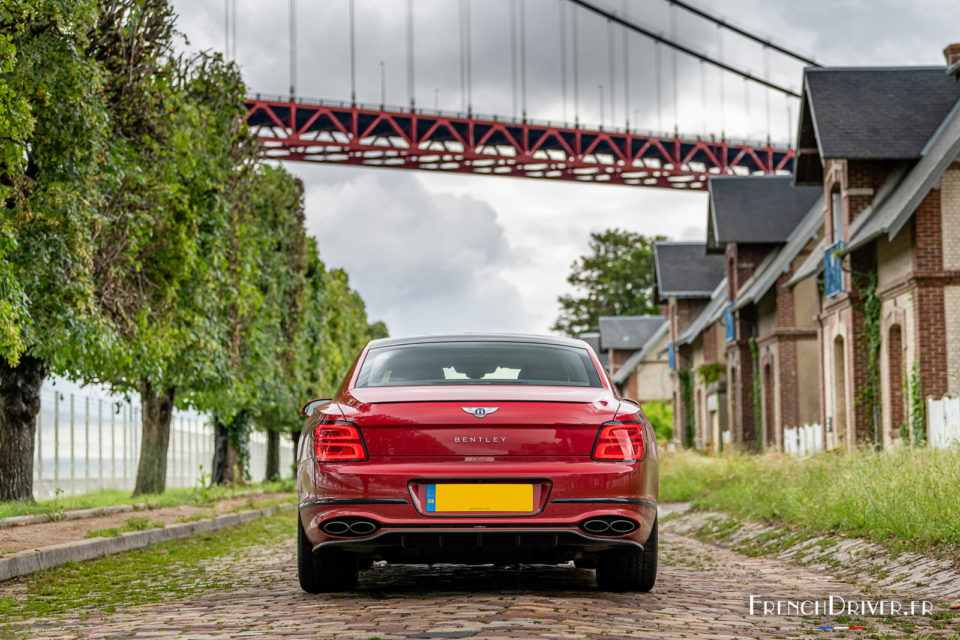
pixel 295 436
pixel 157 407
pixel 227 461
pixel 273 455
pixel 19 405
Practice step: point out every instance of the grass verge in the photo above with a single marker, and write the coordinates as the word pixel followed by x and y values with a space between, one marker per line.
pixel 133 523
pixel 170 498
pixel 908 497
pixel 167 571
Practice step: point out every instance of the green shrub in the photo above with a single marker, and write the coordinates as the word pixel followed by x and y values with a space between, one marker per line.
pixel 660 415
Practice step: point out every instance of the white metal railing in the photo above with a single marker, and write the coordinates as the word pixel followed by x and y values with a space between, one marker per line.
pixel 86 443
pixel 943 422
pixel 803 441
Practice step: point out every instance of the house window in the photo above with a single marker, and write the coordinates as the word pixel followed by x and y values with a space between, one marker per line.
pixel 728 323
pixel 836 209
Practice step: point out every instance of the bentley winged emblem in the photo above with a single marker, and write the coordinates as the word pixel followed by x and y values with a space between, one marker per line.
pixel 480 411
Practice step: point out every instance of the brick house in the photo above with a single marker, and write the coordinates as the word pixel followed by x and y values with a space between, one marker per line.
pixel 686 277
pixel 624 339
pixel 645 375
pixel 765 227
pixel 703 339
pixel 882 145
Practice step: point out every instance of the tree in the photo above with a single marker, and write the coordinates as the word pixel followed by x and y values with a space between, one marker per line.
pixel 262 310
pixel 616 278
pixel 333 333
pixel 164 243
pixel 53 135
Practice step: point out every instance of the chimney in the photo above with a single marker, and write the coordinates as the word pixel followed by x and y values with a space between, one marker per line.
pixel 952 54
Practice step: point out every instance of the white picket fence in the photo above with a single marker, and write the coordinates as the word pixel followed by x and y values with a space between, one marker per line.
pixel 943 422
pixel 803 441
pixel 87 443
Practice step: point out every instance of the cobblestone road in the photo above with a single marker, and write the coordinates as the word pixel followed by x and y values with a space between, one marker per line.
pixel 702 592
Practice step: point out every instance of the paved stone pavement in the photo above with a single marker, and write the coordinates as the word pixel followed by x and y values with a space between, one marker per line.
pixel 702 592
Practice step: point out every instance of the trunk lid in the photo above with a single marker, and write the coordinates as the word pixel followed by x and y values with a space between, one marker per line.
pixel 511 421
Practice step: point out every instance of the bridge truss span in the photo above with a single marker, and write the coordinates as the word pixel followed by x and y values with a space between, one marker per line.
pixel 362 135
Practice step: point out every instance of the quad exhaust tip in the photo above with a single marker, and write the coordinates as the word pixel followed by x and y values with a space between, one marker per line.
pixel 349 528
pixel 608 526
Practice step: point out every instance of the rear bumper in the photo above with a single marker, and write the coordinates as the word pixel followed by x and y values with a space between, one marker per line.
pixel 380 490
pixel 468 545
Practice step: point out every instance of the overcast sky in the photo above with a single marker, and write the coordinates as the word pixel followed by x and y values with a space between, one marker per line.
pixel 449 252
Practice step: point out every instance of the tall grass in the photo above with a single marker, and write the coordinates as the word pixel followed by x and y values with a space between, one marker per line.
pixel 909 495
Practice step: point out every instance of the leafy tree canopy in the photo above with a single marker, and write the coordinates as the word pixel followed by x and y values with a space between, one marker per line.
pixel 616 278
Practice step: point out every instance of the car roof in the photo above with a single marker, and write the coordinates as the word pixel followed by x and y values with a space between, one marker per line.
pixel 528 338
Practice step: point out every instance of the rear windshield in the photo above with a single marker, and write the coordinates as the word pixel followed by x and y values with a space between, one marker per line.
pixel 492 363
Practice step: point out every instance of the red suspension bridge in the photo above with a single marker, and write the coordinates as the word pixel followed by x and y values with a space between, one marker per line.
pixel 351 133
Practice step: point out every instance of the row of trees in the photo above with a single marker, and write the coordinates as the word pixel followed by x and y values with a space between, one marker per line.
pixel 145 245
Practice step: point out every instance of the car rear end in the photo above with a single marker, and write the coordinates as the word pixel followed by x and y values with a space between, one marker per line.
pixel 486 450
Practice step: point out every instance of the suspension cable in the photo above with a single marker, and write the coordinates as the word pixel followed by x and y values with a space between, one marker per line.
pixel 562 5
pixel 410 69
pixel 746 34
pixel 469 59
pixel 523 57
pixel 293 48
pixel 576 68
pixel 611 69
pixel 676 101
pixel 682 48
pixel 656 62
pixel 353 55
pixel 513 54
pixel 463 58
pixel 626 70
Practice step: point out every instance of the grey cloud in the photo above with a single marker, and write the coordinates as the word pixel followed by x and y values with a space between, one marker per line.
pixel 424 261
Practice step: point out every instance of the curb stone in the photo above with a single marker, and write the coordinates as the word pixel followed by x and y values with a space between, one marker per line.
pixel 909 573
pixel 95 512
pixel 33 560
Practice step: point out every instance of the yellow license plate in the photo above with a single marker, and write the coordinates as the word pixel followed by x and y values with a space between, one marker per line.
pixel 479 497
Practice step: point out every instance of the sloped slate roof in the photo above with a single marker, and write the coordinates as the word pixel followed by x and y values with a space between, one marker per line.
pixel 592 339
pixel 903 192
pixel 686 270
pixel 766 275
pixel 756 209
pixel 627 332
pixel 707 316
pixel 645 352
pixel 877 113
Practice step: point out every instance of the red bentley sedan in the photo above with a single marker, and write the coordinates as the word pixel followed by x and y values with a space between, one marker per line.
pixel 473 449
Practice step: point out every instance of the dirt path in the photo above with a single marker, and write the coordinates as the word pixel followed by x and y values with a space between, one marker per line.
pixel 13 539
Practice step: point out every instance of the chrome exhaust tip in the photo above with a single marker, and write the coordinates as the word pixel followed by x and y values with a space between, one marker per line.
pixel 362 528
pixel 622 526
pixel 596 526
pixel 336 527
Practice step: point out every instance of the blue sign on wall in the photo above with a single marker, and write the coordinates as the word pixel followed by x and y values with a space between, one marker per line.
pixel 728 323
pixel 833 271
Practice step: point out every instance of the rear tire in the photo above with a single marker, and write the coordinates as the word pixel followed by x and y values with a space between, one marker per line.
pixel 324 571
pixel 630 569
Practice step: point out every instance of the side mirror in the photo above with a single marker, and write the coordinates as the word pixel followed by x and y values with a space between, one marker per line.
pixel 312 406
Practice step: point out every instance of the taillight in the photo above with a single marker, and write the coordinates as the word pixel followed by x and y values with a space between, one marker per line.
pixel 621 441
pixel 338 441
